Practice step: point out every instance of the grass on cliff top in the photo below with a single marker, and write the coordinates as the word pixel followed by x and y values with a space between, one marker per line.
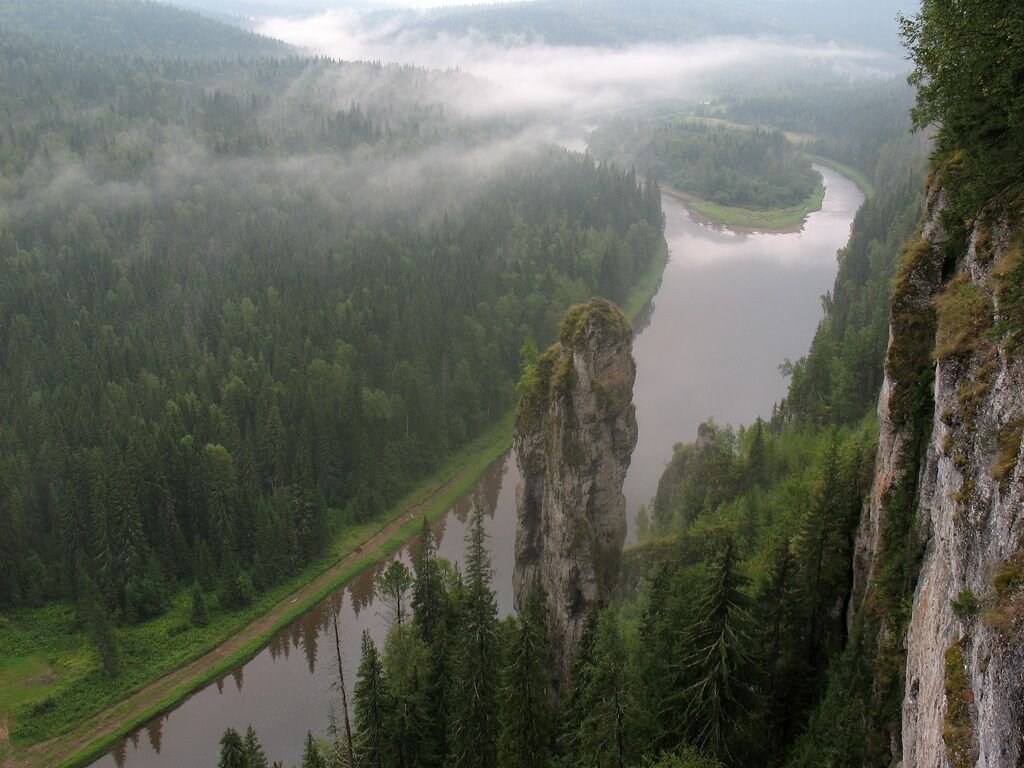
pixel 611 321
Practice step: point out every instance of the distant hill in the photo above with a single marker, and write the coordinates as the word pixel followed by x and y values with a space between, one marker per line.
pixel 133 28
pixel 616 22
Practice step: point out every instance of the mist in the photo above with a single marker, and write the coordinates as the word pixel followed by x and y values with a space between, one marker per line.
pixel 572 82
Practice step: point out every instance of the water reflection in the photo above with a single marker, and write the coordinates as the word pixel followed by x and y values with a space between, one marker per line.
pixel 729 309
pixel 289 687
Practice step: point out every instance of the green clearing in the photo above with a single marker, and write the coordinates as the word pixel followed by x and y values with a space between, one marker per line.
pixel 761 220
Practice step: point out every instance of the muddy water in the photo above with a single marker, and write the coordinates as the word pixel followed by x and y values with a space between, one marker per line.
pixel 730 308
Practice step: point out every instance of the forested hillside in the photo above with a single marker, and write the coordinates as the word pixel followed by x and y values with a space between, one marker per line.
pixel 243 306
pixel 133 28
pixel 614 22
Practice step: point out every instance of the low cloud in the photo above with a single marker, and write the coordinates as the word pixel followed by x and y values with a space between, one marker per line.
pixel 572 81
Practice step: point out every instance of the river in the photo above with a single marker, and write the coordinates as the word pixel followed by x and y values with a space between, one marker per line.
pixel 731 307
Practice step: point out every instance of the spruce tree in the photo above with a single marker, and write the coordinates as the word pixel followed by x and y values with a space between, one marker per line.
pixel 311 757
pixel 605 736
pixel 720 700
pixel 474 708
pixel 780 648
pixel 93 614
pixel 406 662
pixel 526 697
pixel 428 598
pixel 232 751
pixel 372 709
pixel 254 755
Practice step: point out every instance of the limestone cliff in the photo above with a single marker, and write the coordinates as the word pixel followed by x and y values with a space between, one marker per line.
pixel 946 514
pixel 574 436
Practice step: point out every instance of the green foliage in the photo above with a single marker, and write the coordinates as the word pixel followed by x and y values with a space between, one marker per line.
pixel 600 711
pixel 965 605
pixel 200 614
pixel 392 585
pixel 473 724
pixel 254 755
pixel 969 62
pixel 686 758
pixel 372 709
pixel 232 751
pixel 132 28
pixel 909 361
pixel 598 316
pixel 719 664
pixel 728 166
pixel 526 713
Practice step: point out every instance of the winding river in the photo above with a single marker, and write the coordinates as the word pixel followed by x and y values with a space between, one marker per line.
pixel 731 307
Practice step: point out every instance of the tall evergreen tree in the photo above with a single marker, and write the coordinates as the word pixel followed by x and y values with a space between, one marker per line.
pixel 717 648
pixel 527 727
pixel 232 751
pixel 428 597
pixel 93 614
pixel 254 755
pixel 605 735
pixel 311 757
pixel 372 709
pixel 474 709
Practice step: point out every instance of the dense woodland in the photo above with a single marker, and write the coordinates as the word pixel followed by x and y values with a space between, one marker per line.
pixel 609 22
pixel 223 334
pixel 736 650
pixel 730 166
pixel 131 28
pixel 733 651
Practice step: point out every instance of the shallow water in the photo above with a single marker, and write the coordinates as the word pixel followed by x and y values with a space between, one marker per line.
pixel 730 308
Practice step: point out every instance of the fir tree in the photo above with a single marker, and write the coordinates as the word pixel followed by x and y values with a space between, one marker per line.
pixel 232 751
pixel 526 716
pixel 311 757
pixel 93 614
pixel 720 700
pixel 372 709
pixel 254 755
pixel 604 738
pixel 427 590
pixel 474 709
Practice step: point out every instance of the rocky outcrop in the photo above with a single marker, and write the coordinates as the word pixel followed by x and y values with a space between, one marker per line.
pixel 963 696
pixel 574 436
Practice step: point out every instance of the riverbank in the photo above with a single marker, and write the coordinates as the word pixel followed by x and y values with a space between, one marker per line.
pixel 751 219
pixel 851 173
pixel 189 660
pixel 210 653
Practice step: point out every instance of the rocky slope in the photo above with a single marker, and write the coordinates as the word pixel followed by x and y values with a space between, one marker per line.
pixel 946 513
pixel 574 436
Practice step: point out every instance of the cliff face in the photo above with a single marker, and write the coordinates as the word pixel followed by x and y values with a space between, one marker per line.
pixel 950 453
pixel 574 436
